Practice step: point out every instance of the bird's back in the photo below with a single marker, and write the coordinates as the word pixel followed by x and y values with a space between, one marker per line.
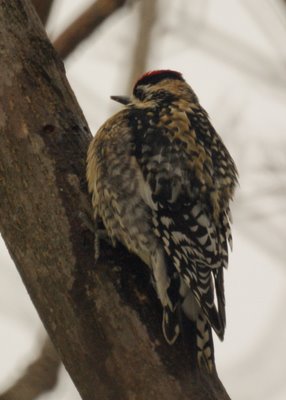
pixel 162 181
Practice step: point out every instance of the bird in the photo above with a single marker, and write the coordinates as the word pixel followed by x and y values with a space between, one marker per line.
pixel 162 180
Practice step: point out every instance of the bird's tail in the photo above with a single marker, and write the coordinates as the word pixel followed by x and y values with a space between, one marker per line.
pixel 205 348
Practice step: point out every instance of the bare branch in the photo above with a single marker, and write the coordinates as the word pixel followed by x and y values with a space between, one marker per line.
pixel 85 24
pixel 147 18
pixel 43 8
pixel 39 377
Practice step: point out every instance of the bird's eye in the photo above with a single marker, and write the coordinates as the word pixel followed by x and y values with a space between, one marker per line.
pixel 139 93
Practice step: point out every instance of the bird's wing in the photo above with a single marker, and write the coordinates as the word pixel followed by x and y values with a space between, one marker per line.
pixel 180 173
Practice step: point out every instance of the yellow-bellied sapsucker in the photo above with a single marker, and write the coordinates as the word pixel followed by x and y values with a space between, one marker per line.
pixel 161 180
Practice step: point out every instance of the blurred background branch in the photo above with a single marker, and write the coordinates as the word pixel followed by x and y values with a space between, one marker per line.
pixel 39 377
pixel 147 14
pixel 85 24
pixel 234 51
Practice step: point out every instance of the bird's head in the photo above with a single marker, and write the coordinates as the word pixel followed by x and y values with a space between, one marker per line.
pixel 156 87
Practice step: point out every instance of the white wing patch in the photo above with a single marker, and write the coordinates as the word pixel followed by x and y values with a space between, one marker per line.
pixel 167 221
pixel 179 237
pixel 143 186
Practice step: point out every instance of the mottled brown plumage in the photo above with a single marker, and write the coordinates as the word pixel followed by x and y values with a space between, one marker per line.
pixel 161 180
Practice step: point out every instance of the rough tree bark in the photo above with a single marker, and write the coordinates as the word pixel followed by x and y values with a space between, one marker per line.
pixel 43 8
pixel 103 319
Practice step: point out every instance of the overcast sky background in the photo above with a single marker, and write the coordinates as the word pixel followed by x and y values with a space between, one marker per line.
pixel 233 54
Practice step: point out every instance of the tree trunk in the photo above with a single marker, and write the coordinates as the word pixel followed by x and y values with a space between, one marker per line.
pixel 103 319
pixel 43 8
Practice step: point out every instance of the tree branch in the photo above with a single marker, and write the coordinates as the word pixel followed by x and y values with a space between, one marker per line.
pixel 43 8
pixel 104 320
pixel 85 24
pixel 147 18
pixel 39 377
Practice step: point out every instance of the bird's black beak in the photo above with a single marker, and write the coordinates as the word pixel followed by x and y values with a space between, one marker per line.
pixel 121 99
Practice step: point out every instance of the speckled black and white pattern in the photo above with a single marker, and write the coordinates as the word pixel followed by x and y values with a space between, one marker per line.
pixel 162 181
